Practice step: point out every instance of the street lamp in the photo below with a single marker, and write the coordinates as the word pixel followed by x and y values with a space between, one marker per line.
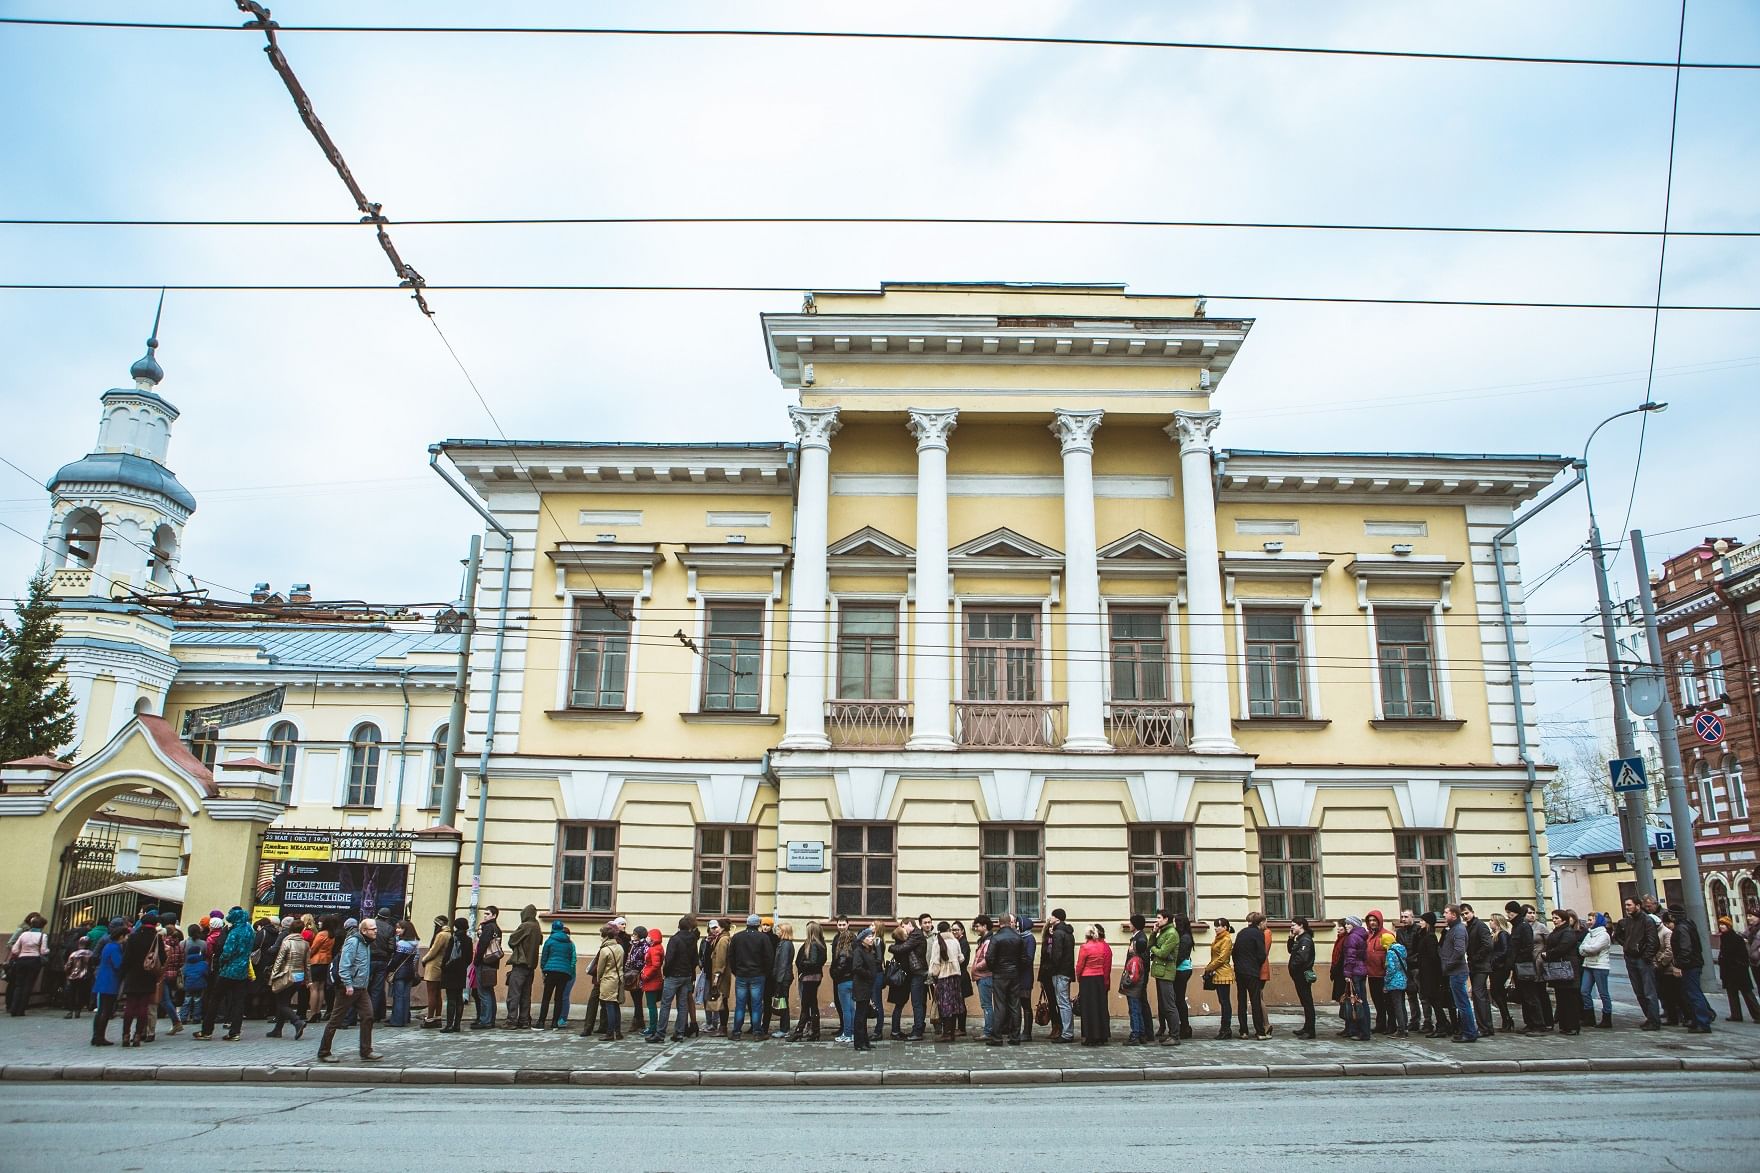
pixel 1634 820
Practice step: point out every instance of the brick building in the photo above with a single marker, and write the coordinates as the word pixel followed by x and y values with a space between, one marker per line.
pixel 1708 600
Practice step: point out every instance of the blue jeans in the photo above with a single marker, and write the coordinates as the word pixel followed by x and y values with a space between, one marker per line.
pixel 399 1002
pixel 984 1002
pixel 613 1017
pixel 1460 987
pixel 748 994
pixel 673 990
pixel 1065 1012
pixel 1593 980
pixel 846 1009
pixel 485 996
pixel 562 1001
pixel 1643 977
pixel 1139 1008
pixel 1696 1003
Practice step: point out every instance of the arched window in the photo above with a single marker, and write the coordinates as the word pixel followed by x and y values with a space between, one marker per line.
pixel 164 557
pixel 1707 800
pixel 437 775
pixel 1719 898
pixel 1732 777
pixel 363 765
pixel 205 744
pixel 1750 892
pixel 283 754
pixel 81 533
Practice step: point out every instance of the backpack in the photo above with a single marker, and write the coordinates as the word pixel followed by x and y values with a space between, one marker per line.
pixel 843 962
pixel 1131 980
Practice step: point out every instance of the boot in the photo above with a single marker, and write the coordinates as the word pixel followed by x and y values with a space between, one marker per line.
pixel 1605 1022
pixel 814 1037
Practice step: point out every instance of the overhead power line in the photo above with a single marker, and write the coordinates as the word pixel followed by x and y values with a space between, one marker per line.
pixel 932 221
pixel 318 287
pixel 849 35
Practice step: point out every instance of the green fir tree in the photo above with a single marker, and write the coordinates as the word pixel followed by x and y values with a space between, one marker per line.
pixel 36 710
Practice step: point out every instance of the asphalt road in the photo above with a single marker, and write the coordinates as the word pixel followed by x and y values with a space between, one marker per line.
pixel 1565 1123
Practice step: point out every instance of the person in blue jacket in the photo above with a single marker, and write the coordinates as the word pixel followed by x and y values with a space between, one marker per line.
pixel 229 975
pixel 107 985
pixel 557 961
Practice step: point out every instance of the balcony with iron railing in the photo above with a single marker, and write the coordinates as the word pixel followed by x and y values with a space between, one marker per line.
pixel 862 724
pixel 1149 726
pixel 1033 725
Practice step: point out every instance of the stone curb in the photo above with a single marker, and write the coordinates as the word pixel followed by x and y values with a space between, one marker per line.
pixel 508 1077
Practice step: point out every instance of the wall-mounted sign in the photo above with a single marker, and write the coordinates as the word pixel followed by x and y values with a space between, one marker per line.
pixel 805 857
pixel 238 712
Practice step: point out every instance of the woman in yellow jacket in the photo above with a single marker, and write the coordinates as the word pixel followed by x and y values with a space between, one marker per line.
pixel 1219 974
pixel 433 963
pixel 608 966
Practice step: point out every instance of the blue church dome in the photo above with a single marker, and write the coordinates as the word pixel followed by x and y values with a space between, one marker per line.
pixel 125 468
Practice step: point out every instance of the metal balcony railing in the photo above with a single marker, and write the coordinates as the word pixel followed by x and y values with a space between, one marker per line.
pixel 1008 724
pixel 1149 726
pixel 867 724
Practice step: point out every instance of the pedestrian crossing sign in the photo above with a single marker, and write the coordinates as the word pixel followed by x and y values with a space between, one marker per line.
pixel 1627 774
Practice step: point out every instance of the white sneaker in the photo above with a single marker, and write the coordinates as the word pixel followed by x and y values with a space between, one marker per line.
pixel 844 1039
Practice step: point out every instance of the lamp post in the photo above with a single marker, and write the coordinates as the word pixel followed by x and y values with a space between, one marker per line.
pixel 1633 820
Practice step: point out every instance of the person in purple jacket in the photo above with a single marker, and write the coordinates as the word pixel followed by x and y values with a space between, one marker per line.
pixel 1356 977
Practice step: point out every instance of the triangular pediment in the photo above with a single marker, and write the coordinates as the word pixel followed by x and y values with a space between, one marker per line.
pixel 1142 546
pixel 869 542
pixel 1005 543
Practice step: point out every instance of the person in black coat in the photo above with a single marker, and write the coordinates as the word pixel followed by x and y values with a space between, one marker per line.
pixel 1733 970
pixel 864 972
pixel 1301 963
pixel 1426 962
pixel 1005 960
pixel 1250 955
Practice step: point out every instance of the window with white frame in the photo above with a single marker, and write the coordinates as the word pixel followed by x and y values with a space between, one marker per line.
pixel 600 677
pixel 1407 663
pixel 364 752
pixel 733 649
pixel 1707 797
pixel 1689 681
pixel 1139 653
pixel 1714 685
pixel 437 770
pixel 283 753
pixel 1274 663
pixel 1732 779
pixel 867 652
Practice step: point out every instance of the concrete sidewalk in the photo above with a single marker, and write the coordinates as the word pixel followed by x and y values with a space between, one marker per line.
pixel 44 1046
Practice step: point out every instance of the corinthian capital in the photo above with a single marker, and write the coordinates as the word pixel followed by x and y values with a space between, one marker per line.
pixel 1193 429
pixel 814 426
pixel 932 425
pixel 1075 429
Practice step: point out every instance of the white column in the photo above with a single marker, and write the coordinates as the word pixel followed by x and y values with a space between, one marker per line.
pixel 1211 730
pixel 933 661
pixel 1085 659
pixel 809 633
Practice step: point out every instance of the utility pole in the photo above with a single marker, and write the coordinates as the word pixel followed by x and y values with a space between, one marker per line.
pixel 460 689
pixel 1692 888
pixel 1633 818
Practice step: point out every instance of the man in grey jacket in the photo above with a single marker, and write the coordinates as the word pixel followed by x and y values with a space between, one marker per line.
pixel 1454 969
pixel 354 972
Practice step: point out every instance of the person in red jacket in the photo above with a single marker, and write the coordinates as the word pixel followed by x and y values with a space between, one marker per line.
pixel 652 978
pixel 1375 956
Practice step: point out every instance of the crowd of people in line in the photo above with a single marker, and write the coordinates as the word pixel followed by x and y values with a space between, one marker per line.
pixel 1441 975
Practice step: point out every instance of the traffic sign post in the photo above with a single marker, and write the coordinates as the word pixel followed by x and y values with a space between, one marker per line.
pixel 1709 727
pixel 1627 775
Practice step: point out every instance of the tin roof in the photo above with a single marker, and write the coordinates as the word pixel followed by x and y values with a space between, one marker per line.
pixel 293 646
pixel 1595 836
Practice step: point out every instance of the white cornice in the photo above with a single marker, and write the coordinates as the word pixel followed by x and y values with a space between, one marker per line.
pixel 1377 477
pixel 588 468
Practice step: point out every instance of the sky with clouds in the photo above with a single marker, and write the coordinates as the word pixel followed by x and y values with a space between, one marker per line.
pixel 307 416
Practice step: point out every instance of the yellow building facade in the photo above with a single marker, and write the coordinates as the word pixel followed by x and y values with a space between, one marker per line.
pixel 1002 629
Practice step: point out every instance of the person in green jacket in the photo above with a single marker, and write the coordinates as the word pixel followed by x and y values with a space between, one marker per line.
pixel 557 959
pixel 1163 964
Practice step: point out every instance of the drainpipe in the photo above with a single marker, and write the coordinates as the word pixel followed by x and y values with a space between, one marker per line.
pixel 1515 680
pixel 482 510
pixel 402 748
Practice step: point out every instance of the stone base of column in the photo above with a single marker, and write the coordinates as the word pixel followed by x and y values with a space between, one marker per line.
pixel 935 742
pixel 1087 745
pixel 1215 745
pixel 804 741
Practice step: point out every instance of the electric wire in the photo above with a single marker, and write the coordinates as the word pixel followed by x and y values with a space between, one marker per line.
pixel 857 35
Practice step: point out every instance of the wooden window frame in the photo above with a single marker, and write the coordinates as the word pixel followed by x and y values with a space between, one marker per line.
pixel 437 768
pixel 1302 701
pixel 1137 661
pixel 968 645
pixel 698 855
pixel 583 637
pixel 712 656
pixel 867 646
pixel 865 889
pixel 592 827
pixel 1152 863
pixel 1403 667
pixel 369 768
pixel 1286 862
pixel 1422 861
pixel 1012 858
